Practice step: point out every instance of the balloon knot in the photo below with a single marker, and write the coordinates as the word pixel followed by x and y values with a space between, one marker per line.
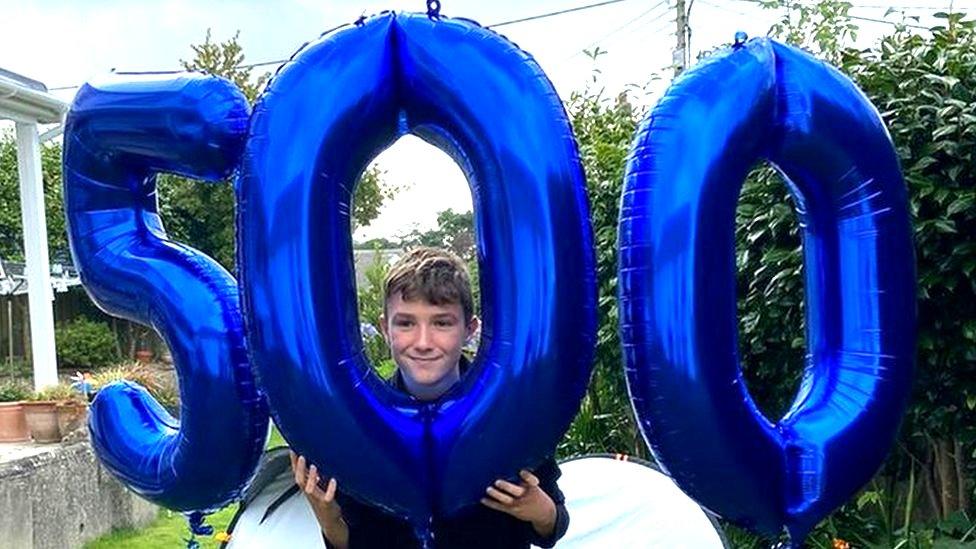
pixel 740 39
pixel 434 9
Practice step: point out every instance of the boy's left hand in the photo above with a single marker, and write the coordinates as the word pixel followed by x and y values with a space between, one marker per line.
pixel 524 501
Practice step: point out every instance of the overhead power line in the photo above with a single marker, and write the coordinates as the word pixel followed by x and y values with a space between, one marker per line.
pixel 553 13
pixel 899 8
pixel 873 20
pixel 858 17
pixel 624 26
pixel 491 26
pixel 724 8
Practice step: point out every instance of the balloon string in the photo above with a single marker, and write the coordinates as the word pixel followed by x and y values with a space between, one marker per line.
pixel 197 523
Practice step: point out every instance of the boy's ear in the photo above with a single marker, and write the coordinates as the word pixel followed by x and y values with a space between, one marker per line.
pixel 383 328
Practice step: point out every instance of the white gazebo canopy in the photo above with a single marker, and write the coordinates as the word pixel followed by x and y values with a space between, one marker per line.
pixel 27 103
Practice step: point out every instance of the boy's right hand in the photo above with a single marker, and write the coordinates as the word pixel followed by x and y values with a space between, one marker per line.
pixel 324 505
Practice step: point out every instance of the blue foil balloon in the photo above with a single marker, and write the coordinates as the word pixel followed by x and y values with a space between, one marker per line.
pixel 762 100
pixel 120 132
pixel 331 109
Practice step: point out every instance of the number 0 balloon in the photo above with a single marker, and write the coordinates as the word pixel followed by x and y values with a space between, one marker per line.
pixel 765 101
pixel 325 115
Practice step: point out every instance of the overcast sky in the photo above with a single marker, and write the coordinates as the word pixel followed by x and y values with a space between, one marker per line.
pixel 66 42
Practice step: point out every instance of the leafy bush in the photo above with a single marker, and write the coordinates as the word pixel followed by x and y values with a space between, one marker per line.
pixel 370 310
pixel 87 345
pixel 59 392
pixel 13 391
pixel 18 367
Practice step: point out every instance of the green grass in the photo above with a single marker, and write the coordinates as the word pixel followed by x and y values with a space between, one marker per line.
pixel 275 439
pixel 170 529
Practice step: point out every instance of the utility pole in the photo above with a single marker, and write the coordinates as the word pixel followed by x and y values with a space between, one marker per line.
pixel 681 50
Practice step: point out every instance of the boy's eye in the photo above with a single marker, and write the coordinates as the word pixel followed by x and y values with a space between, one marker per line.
pixel 403 323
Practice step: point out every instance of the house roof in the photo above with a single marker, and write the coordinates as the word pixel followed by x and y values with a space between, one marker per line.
pixel 364 259
pixel 13 279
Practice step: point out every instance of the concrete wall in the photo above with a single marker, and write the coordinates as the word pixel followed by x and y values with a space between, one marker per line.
pixel 63 498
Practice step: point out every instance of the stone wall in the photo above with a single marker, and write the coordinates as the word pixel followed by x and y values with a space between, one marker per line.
pixel 62 497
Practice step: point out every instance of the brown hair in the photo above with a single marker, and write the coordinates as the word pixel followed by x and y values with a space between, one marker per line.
pixel 434 275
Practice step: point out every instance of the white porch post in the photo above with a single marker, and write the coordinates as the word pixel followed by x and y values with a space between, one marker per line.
pixel 40 295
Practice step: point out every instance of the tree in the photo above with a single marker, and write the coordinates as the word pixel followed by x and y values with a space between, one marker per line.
pixel 454 231
pixel 377 244
pixel 203 215
pixel 11 221
pixel 823 27
pixel 226 59
pixel 371 193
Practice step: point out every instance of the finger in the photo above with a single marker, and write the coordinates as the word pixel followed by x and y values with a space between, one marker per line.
pixel 513 490
pixel 492 504
pixel 330 490
pixel 313 480
pixel 529 478
pixel 500 496
pixel 300 472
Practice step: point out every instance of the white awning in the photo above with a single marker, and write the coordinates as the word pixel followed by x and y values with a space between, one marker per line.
pixel 22 100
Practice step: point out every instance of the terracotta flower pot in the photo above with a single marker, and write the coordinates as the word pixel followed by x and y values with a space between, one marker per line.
pixel 13 424
pixel 71 416
pixel 42 420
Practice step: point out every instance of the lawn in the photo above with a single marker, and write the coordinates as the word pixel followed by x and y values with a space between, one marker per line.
pixel 170 530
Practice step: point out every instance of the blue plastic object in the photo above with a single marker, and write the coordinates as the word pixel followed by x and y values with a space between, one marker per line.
pixel 120 133
pixel 758 101
pixel 327 112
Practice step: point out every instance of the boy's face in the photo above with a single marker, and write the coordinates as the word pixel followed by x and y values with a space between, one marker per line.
pixel 426 342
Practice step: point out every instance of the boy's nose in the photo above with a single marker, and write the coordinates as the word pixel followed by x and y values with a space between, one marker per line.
pixel 424 341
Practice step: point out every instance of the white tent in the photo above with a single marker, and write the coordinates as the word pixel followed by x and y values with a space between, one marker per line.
pixel 27 103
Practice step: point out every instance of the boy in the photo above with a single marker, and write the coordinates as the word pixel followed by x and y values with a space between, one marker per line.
pixel 428 316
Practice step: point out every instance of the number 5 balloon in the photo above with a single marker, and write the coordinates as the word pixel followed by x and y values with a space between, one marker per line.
pixel 120 133
pixel 766 101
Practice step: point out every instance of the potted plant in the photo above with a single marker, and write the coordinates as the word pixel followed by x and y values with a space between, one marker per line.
pixel 42 418
pixel 13 423
pixel 134 371
pixel 164 390
pixel 70 404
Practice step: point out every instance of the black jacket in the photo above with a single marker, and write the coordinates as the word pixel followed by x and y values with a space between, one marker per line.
pixel 476 528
